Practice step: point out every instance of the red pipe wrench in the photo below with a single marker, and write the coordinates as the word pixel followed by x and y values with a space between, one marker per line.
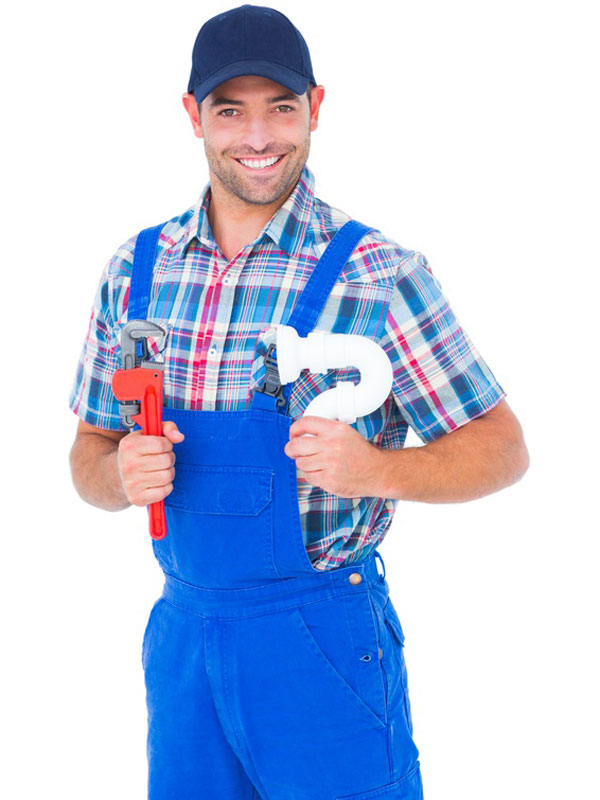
pixel 138 387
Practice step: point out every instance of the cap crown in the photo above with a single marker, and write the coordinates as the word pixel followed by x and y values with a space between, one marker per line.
pixel 248 33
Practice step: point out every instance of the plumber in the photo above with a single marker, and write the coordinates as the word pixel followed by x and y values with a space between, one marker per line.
pixel 273 661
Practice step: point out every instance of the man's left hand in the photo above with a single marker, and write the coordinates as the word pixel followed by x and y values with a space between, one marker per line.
pixel 336 458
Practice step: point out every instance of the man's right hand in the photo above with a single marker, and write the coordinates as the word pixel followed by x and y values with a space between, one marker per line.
pixel 145 464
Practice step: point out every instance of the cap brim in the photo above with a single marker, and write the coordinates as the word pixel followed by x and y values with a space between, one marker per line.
pixel 266 69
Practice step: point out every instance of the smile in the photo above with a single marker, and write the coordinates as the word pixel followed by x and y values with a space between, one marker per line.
pixel 260 164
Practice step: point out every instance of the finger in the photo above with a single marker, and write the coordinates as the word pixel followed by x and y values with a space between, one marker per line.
pixel 172 432
pixel 157 478
pixel 300 446
pixel 149 445
pixel 310 424
pixel 154 495
pixel 314 478
pixel 155 462
pixel 310 464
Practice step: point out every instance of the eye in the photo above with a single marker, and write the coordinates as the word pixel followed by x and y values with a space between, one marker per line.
pixel 230 112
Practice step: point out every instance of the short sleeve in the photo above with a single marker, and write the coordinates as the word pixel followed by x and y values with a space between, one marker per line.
pixel 91 396
pixel 440 380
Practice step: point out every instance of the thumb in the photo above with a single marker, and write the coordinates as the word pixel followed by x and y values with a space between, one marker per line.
pixel 172 432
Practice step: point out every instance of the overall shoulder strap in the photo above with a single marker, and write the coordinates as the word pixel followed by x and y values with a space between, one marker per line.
pixel 141 272
pixel 312 300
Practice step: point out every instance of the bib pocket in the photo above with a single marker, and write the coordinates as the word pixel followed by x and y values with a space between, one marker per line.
pixel 219 514
pixel 217 489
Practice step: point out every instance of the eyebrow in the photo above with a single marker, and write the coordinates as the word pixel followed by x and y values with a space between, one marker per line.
pixel 225 101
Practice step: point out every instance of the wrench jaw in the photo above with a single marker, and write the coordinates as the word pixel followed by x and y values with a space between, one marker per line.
pixel 134 349
pixel 135 332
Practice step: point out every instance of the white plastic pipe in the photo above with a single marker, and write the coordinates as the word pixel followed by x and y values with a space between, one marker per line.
pixel 320 351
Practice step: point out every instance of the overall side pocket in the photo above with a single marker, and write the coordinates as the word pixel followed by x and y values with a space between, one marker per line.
pixel 393 624
pixel 148 631
pixel 339 635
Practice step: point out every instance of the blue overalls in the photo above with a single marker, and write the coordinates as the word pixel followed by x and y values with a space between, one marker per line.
pixel 266 679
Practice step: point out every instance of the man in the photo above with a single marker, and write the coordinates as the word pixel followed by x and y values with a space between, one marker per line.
pixel 273 661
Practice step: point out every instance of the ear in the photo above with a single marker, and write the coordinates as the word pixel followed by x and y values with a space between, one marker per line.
pixel 190 105
pixel 316 98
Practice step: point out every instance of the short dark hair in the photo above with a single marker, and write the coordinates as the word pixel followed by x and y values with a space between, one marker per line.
pixel 309 89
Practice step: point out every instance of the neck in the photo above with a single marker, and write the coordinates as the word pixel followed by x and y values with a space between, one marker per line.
pixel 235 223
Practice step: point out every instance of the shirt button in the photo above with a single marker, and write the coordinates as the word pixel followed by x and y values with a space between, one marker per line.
pixel 212 351
pixel 355 578
pixel 226 280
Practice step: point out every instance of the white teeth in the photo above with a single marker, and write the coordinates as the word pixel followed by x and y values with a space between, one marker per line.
pixel 254 164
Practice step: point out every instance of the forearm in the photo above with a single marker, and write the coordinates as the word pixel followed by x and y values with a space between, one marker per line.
pixel 478 459
pixel 95 472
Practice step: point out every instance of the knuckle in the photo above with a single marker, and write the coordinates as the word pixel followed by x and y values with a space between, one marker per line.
pixel 131 486
pixel 136 499
pixel 130 440
pixel 153 495
pixel 164 491
pixel 124 447
pixel 126 467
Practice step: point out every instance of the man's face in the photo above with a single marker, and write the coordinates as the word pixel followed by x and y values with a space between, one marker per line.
pixel 250 120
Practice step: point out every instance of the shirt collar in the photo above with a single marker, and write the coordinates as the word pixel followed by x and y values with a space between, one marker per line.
pixel 287 228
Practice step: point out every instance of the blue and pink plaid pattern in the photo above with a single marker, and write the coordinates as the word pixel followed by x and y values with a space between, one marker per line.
pixel 220 317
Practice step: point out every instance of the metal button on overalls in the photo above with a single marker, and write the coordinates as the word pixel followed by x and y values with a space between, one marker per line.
pixel 252 657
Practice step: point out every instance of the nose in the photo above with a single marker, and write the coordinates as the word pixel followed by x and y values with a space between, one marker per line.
pixel 257 134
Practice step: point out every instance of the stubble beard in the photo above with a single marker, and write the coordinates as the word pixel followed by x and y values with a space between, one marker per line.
pixel 255 191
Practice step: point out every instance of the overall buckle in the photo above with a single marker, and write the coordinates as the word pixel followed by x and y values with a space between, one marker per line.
pixel 272 384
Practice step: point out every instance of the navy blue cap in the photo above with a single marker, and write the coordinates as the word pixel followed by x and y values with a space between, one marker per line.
pixel 249 40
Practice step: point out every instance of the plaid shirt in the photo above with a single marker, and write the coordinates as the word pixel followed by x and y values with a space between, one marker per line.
pixel 219 318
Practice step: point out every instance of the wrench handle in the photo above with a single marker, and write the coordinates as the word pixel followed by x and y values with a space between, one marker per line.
pixel 145 385
pixel 150 421
pixel 157 520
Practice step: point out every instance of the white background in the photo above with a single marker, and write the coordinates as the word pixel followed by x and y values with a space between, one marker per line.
pixel 466 130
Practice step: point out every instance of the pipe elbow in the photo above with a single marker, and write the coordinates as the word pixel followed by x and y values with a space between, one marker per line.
pixel 321 351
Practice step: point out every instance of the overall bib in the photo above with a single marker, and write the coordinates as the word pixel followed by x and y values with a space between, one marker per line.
pixel 266 679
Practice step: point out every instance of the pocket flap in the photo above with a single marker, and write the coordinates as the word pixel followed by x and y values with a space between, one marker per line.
pixel 216 489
